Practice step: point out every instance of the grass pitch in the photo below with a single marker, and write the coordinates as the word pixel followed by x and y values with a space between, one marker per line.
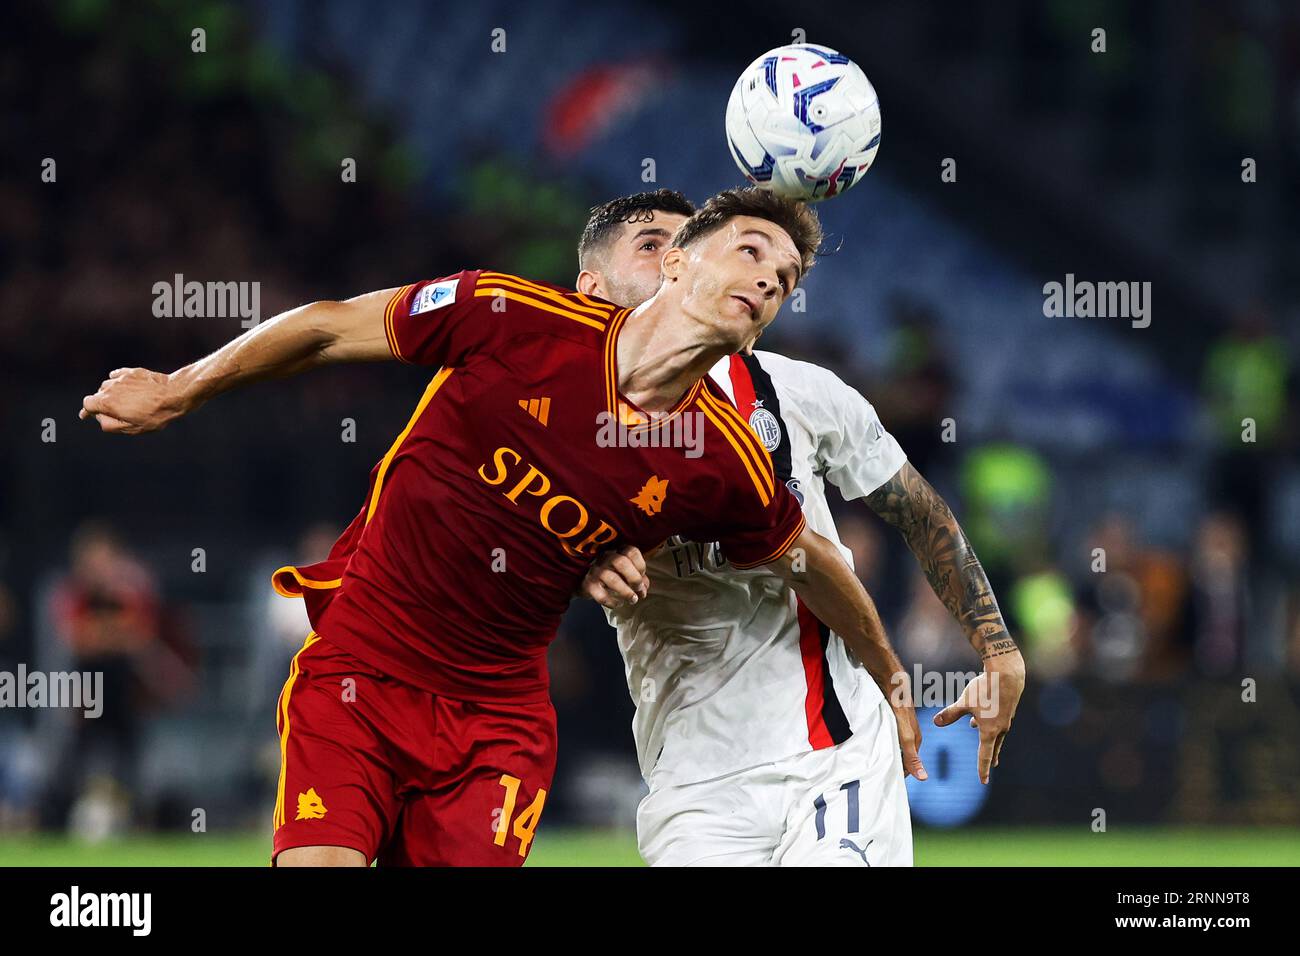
pixel 971 847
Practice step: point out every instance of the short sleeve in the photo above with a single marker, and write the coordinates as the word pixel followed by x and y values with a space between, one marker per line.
pixel 438 321
pixel 763 534
pixel 854 451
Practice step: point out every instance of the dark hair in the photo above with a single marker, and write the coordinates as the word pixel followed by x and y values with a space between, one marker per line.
pixel 639 207
pixel 795 217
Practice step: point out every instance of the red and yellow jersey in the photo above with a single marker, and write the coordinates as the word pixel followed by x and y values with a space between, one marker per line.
pixel 521 462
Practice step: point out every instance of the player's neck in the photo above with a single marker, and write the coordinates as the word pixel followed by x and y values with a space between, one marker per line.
pixel 661 353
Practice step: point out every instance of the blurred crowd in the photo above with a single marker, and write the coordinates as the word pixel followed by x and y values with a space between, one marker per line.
pixel 242 177
pixel 1094 594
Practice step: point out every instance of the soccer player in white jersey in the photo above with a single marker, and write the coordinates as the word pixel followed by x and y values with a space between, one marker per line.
pixel 762 740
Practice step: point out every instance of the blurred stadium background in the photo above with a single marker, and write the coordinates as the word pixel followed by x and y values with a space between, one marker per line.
pixel 1071 434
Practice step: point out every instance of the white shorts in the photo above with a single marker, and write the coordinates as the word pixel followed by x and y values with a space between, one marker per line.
pixel 842 806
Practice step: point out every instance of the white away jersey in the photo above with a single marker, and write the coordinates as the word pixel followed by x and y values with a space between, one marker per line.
pixel 727 668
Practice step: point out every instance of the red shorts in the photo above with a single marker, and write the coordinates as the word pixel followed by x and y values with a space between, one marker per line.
pixel 403 775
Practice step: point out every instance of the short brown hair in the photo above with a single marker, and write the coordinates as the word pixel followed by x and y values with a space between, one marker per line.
pixel 797 218
pixel 639 207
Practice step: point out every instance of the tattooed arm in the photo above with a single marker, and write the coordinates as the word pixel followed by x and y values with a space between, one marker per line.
pixel 910 504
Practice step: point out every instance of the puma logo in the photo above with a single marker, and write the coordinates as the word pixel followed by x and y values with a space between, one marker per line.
pixel 847 844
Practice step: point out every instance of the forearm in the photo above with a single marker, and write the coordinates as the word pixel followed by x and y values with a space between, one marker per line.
pixel 132 401
pixel 827 585
pixel 909 503
pixel 290 343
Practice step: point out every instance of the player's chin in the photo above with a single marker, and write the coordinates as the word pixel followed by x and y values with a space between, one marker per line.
pixel 738 330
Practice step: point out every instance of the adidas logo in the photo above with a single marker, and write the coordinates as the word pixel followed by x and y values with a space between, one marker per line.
pixel 539 408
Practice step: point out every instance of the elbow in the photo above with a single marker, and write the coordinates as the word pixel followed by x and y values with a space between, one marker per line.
pixel 324 336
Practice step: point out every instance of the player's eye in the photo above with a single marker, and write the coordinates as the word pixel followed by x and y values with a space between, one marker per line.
pixel 651 244
pixel 753 249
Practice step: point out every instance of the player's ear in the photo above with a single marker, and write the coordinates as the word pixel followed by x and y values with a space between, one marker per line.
pixel 673 263
pixel 591 283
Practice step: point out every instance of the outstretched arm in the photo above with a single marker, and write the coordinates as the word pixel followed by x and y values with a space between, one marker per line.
pixel 909 503
pixel 815 570
pixel 135 400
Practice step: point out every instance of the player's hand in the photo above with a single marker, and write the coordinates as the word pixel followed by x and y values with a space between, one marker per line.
pixel 899 696
pixel 617 578
pixel 133 400
pixel 991 701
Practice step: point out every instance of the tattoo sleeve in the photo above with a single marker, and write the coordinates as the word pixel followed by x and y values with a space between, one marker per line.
pixel 910 504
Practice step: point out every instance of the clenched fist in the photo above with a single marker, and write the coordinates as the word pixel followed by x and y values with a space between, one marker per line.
pixel 617 578
pixel 132 401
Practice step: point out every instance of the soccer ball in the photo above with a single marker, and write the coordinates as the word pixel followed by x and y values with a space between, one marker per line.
pixel 804 122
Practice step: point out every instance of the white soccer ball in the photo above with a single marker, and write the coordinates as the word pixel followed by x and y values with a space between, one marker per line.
pixel 804 122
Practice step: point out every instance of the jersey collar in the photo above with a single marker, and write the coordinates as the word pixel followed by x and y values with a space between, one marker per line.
pixel 616 404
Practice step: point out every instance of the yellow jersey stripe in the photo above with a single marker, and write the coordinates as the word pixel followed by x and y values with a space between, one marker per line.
pixel 305 582
pixel 390 311
pixel 764 457
pixel 489 290
pixel 736 434
pixel 785 546
pixel 392 452
pixel 746 433
pixel 759 485
pixel 761 459
pixel 593 303
pixel 611 352
pixel 285 693
pixel 536 288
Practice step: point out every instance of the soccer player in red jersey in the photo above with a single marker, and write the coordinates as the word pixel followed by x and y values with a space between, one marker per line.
pixel 415 725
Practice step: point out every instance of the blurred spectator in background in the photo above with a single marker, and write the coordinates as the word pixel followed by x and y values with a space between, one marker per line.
pixel 15 751
pixel 1134 611
pixel 927 634
pixel 863 537
pixel 279 624
pixel 1246 376
pixel 1045 619
pixel 1006 491
pixel 1220 594
pixel 107 614
pixel 277 627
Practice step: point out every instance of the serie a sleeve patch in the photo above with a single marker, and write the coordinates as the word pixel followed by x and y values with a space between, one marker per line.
pixel 434 296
